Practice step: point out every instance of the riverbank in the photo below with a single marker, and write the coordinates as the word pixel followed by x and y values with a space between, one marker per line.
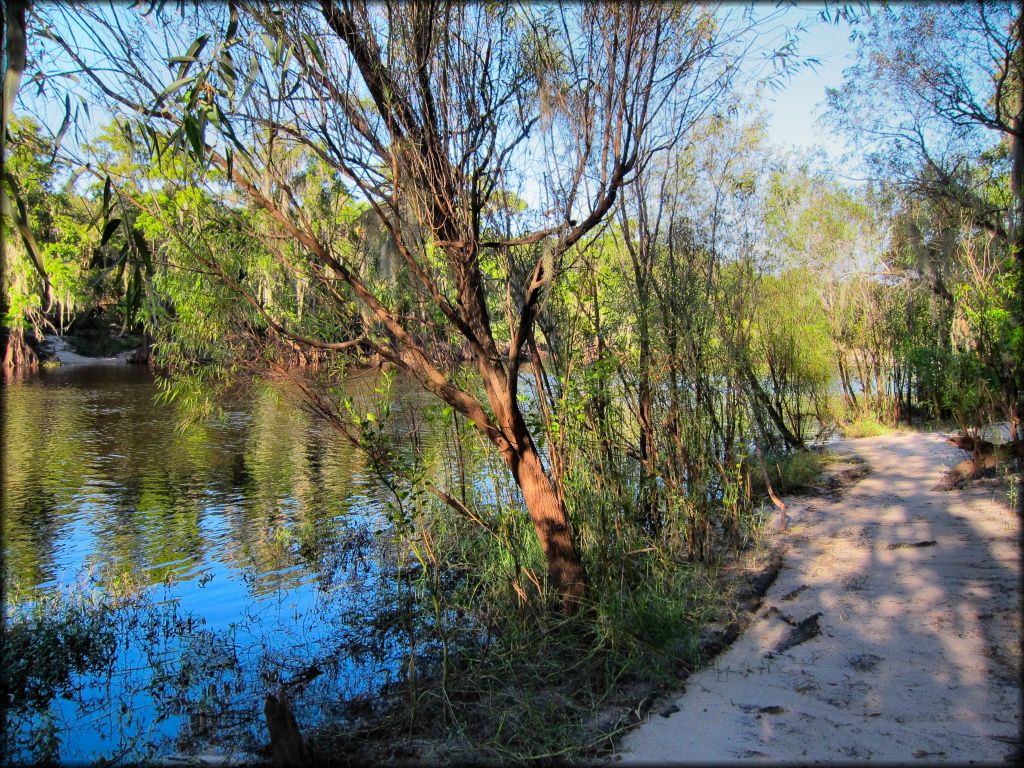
pixel 891 633
pixel 61 350
pixel 567 689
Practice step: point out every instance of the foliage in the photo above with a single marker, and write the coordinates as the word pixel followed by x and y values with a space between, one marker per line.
pixel 297 193
pixel 935 96
pixel 487 675
pixel 44 275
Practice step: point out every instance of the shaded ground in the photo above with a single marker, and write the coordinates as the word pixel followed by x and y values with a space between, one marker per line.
pixel 891 633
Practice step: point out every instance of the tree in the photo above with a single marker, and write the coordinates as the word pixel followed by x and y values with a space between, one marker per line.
pixel 429 112
pixel 938 95
pixel 46 235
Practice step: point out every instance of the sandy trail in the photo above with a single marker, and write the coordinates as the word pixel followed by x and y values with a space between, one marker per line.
pixel 919 651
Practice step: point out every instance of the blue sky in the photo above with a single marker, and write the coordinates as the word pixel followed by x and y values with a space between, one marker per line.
pixel 795 111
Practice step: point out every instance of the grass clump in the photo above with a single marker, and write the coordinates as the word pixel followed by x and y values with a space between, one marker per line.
pixel 866 425
pixel 794 473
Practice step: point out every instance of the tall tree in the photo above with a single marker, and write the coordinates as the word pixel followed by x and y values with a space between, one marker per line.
pixel 429 111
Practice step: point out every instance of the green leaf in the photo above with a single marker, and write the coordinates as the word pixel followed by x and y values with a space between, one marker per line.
pixel 227 71
pixel 189 58
pixel 106 195
pixel 254 70
pixel 315 50
pixel 232 22
pixel 109 230
pixel 172 141
pixel 63 127
pixel 128 133
pixel 197 45
pixel 176 85
pixel 203 120
pixel 193 132
pixel 142 248
pixel 270 43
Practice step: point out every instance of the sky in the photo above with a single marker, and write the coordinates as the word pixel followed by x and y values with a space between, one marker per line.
pixel 795 111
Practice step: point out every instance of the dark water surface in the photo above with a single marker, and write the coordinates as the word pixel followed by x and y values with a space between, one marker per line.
pixel 255 534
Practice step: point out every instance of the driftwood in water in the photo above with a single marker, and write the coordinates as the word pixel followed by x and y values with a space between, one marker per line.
pixel 984 456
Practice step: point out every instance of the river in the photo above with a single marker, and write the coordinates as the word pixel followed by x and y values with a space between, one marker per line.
pixel 255 539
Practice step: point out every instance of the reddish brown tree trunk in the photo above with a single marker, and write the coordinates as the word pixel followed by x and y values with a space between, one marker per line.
pixel 565 568
pixel 19 355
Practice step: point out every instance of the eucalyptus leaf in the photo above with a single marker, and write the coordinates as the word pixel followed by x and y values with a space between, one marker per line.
pixel 175 86
pixel 106 195
pixel 109 230
pixel 315 50
pixel 232 22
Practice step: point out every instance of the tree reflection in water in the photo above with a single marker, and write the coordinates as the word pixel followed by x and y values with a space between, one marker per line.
pixel 160 580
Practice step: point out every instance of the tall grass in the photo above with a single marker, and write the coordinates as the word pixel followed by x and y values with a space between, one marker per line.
pixel 866 425
pixel 497 673
pixel 797 472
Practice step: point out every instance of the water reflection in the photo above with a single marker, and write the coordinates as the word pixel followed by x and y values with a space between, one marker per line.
pixel 260 525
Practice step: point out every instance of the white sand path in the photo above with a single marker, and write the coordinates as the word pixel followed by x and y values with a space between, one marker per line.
pixel 919 653
pixel 67 356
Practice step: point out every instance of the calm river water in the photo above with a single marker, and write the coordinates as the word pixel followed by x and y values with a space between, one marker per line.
pixel 256 539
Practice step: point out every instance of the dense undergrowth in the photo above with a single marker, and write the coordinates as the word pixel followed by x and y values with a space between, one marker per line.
pixel 505 678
